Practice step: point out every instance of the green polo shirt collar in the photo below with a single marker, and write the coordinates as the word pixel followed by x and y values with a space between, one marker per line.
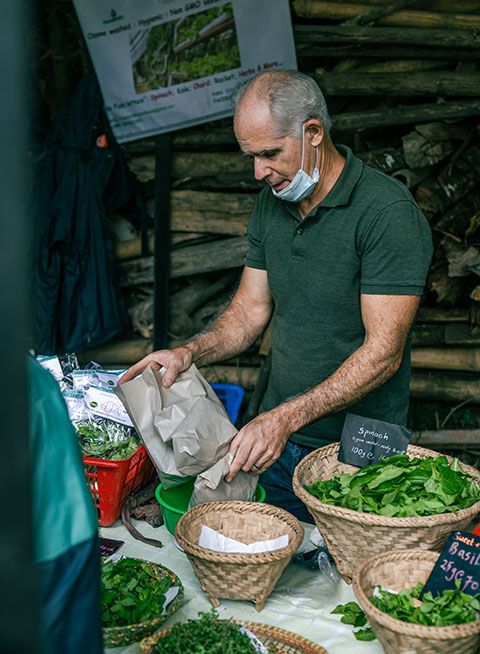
pixel 342 189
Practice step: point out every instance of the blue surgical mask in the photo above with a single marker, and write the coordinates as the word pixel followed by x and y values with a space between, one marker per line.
pixel 302 184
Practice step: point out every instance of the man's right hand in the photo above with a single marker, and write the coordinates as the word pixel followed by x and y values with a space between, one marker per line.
pixel 174 361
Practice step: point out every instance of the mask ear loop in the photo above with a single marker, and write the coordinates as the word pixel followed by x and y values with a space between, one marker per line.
pixel 303 145
pixel 303 150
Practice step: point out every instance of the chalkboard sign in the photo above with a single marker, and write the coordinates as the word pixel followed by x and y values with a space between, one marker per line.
pixel 109 546
pixel 366 440
pixel 458 561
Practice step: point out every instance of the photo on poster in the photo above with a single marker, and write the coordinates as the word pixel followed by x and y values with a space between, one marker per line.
pixel 185 49
pixel 164 65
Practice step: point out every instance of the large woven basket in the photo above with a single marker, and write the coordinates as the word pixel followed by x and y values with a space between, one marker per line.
pixel 231 575
pixel 351 536
pixel 397 571
pixel 279 640
pixel 120 636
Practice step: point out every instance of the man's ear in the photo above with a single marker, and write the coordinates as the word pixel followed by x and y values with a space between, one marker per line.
pixel 316 131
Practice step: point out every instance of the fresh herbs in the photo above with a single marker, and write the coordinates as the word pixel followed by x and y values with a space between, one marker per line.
pixel 447 608
pixel 206 635
pixel 450 607
pixel 106 439
pixel 401 487
pixel 132 592
pixel 352 614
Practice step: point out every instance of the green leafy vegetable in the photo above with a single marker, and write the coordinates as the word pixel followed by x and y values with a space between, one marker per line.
pixel 401 487
pixel 352 614
pixel 99 442
pixel 206 635
pixel 132 592
pixel 447 608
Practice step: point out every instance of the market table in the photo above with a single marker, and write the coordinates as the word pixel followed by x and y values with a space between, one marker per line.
pixel 307 615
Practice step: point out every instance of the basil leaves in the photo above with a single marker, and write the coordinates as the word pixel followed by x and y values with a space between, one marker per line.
pixel 450 607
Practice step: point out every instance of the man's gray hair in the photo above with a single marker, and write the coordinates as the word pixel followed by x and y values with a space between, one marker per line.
pixel 292 98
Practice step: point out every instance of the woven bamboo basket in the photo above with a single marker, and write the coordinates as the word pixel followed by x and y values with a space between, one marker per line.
pixel 279 640
pixel 351 536
pixel 396 571
pixel 238 576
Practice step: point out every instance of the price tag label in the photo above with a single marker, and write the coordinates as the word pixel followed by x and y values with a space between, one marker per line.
pixel 365 440
pixel 458 561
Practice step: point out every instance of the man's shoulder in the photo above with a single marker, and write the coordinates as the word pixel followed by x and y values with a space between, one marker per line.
pixel 381 189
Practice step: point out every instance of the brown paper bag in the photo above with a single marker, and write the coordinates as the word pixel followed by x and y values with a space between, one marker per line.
pixel 186 431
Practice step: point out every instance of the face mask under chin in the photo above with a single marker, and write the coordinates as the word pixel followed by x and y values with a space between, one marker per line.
pixel 302 184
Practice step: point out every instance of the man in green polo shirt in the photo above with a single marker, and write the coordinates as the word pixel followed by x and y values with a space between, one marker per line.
pixel 338 259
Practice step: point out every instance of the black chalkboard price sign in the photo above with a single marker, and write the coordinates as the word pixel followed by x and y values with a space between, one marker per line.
pixel 366 440
pixel 459 561
pixel 109 546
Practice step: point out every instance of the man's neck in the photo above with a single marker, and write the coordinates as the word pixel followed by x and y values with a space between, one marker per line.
pixel 330 166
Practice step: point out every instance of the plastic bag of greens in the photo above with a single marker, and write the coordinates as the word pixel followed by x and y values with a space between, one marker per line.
pixel 105 439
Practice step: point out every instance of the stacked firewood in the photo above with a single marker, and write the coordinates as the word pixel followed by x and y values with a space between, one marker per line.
pixel 403 86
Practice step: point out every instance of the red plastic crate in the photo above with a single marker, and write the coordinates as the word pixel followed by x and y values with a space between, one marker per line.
pixel 111 482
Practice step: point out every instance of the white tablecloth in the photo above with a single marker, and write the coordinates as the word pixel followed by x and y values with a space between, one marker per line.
pixel 308 615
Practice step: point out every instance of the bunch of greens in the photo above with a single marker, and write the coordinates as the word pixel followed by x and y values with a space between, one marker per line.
pixel 206 635
pixel 401 487
pixel 105 439
pixel 447 608
pixel 450 607
pixel 131 592
pixel 352 614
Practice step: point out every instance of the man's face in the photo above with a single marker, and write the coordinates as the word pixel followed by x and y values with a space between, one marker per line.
pixel 276 159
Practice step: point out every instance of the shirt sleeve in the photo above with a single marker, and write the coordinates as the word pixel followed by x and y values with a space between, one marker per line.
pixel 396 251
pixel 256 250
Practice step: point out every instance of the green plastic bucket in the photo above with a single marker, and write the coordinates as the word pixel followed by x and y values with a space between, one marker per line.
pixel 174 501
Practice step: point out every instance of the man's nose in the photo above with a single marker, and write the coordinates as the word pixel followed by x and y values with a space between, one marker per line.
pixel 260 169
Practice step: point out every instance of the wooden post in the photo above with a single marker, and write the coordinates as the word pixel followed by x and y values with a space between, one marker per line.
pixel 162 242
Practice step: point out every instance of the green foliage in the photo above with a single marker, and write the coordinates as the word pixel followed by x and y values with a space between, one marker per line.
pixel 447 608
pixel 97 442
pixel 206 635
pixel 192 25
pixel 131 592
pixel 158 38
pixel 352 614
pixel 401 487
pixel 209 64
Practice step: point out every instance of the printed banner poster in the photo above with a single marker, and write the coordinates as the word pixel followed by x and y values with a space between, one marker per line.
pixel 167 64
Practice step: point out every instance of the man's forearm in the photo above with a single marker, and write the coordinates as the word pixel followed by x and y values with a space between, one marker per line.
pixel 230 334
pixel 364 371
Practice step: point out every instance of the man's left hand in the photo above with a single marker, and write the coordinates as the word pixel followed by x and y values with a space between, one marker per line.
pixel 259 444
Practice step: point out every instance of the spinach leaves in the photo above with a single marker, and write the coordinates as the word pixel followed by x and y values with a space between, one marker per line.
pixel 401 487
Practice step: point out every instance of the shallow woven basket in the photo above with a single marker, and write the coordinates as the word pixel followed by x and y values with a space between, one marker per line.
pixel 280 640
pixel 238 576
pixel 397 571
pixel 351 536
pixel 120 636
